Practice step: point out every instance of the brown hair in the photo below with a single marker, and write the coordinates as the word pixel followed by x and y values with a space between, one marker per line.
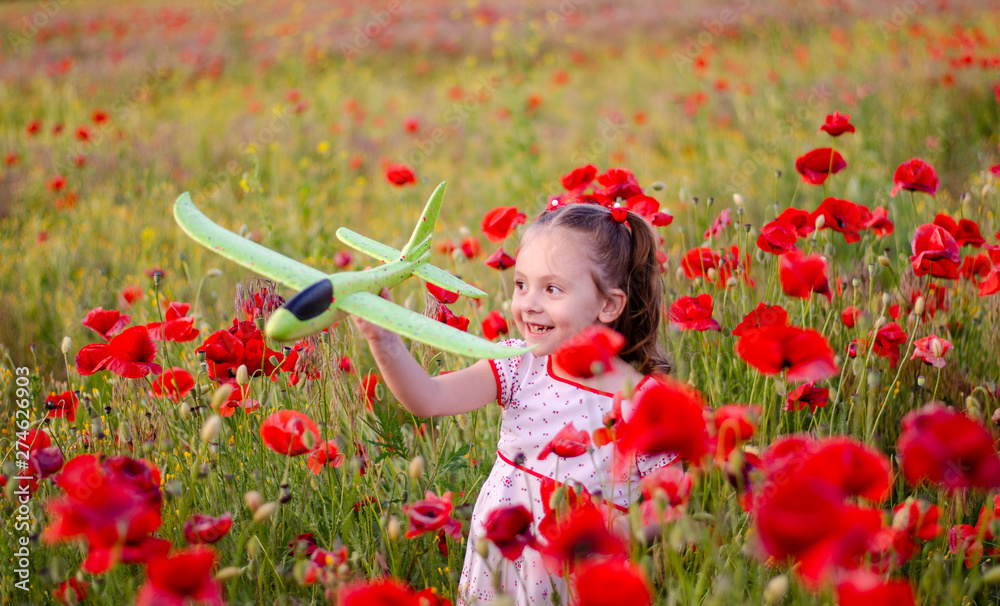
pixel 624 257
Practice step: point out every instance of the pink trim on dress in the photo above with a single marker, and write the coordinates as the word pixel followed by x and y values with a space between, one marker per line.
pixel 496 375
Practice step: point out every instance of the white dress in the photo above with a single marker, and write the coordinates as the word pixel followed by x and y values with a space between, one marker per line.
pixel 536 405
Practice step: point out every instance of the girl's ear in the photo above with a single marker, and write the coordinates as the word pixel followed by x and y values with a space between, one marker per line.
pixel 614 305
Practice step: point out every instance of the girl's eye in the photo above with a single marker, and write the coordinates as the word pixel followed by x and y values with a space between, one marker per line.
pixel 519 285
pixel 551 289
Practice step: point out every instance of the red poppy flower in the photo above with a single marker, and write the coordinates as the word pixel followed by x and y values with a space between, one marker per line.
pixel 931 350
pixel 71 591
pixel 800 219
pixel 887 342
pixel 494 325
pixel 721 222
pixel 382 592
pixel 733 425
pixel 976 266
pixel 610 583
pixel 431 514
pixel 499 223
pixel 590 352
pixel 57 183
pixel 446 316
pixel 671 484
pixel 130 294
pixel 99 116
pixel 500 260
pixel 843 216
pixel 176 327
pixel 174 383
pixel 470 247
pixel 106 322
pixel 114 504
pixel 855 468
pixel 618 183
pixel 818 164
pixel 991 284
pixel 367 388
pixel 777 237
pixel 241 344
pixel 33 127
pixel 11 159
pixel 879 222
pixel 762 315
pixel 83 134
pixel 809 395
pixel 129 355
pixel 579 178
pixel 62 405
pixel 45 462
pixel 947 448
pixel 289 432
pixel 698 261
pixel 185 576
pixel 326 455
pixel 667 419
pixel 803 352
pixel 446 297
pixel 963 541
pixel 864 588
pixel 400 175
pixel 966 231
pixel 202 528
pixel 935 252
pixel 509 528
pixel 693 313
pixel 837 124
pixel 578 536
pixel 567 443
pixel 915 175
pixel 801 275
pixel 849 316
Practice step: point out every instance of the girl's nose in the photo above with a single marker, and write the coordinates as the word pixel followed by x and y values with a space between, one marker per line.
pixel 530 301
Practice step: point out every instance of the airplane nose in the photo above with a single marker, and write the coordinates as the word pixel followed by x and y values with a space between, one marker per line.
pixel 312 301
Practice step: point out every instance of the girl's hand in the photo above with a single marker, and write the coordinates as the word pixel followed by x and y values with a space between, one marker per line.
pixel 371 332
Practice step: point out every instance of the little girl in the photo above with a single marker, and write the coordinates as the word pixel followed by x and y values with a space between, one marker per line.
pixel 577 266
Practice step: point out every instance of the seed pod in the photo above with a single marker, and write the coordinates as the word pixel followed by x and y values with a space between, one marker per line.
pixel 416 468
pixel 211 428
pixel 67 343
pixel 776 589
pixel 265 511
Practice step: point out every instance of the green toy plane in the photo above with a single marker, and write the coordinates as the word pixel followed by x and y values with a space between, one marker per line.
pixel 324 299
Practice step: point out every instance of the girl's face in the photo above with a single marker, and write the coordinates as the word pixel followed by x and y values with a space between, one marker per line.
pixel 555 296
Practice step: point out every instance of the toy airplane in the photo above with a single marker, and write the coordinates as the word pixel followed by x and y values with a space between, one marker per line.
pixel 324 299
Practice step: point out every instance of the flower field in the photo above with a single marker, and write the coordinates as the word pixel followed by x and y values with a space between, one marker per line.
pixel 826 182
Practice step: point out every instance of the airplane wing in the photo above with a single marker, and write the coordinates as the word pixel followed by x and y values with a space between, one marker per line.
pixel 416 326
pixel 251 255
pixel 443 279
pixel 367 246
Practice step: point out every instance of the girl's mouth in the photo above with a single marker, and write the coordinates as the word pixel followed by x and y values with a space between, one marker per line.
pixel 538 329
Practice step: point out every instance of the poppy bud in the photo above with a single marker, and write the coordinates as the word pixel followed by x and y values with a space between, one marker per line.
pixel 918 307
pixel 712 274
pixel 921 381
pixel 392 529
pixel 731 282
pixel 185 410
pixel 157 276
pixel 991 576
pixel 820 222
pixel 482 546
pixel 463 421
pixel 871 269
pixel 657 186
pixel 242 376
pixel 557 497
pixel 737 200
pixel 213 273
pixel 265 511
pixel 66 344
pixel 259 321
pixel 710 201
pixel 210 429
pixel 252 500
pixel 416 468
pixel 776 589
pixel 222 394
pixel 886 298
pixel 229 572
pixel 874 377
pixel 972 406
pixel 309 440
pixel 254 547
pixel 855 282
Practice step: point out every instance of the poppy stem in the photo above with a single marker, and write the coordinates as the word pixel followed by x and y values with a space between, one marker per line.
pixel 937 382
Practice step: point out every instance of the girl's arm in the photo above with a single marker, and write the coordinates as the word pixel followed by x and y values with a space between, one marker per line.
pixel 422 395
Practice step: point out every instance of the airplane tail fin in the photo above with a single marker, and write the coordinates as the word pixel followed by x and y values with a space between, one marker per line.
pixel 420 241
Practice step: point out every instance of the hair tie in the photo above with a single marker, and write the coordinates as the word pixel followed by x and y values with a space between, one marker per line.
pixel 619 213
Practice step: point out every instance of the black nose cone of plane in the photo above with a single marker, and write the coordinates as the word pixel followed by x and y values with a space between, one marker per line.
pixel 312 301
